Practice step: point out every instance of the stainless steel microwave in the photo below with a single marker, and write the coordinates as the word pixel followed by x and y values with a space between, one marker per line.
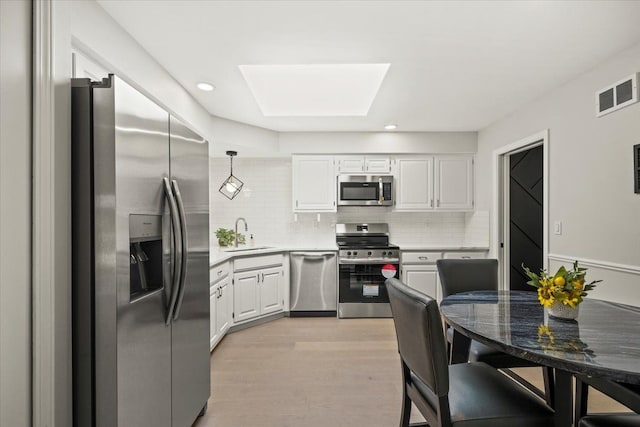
pixel 365 190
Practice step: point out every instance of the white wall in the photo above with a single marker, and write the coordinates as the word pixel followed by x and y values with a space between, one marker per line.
pixel 265 202
pixel 377 142
pixel 15 213
pixel 591 177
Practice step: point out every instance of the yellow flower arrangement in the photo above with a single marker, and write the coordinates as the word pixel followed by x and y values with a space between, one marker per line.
pixel 566 286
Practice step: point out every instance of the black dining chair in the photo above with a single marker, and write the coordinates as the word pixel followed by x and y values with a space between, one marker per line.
pixel 466 275
pixel 628 395
pixel 468 394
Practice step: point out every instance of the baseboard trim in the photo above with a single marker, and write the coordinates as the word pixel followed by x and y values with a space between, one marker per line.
pixel 255 322
pixel 606 265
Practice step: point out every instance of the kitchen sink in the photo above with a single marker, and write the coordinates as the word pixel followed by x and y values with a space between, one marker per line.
pixel 253 248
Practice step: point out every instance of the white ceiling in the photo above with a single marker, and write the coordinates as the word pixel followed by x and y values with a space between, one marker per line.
pixel 455 66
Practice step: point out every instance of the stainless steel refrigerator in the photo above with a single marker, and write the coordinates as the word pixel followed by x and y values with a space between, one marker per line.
pixel 140 195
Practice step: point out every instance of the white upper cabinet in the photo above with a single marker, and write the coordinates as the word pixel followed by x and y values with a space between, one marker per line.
pixel 350 164
pixel 354 164
pixel 440 182
pixel 414 183
pixel 377 164
pixel 314 184
pixel 454 182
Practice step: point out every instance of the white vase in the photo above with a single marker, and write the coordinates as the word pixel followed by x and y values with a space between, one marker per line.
pixel 563 311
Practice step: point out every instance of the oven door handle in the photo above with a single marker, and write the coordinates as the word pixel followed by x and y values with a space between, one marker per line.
pixel 370 261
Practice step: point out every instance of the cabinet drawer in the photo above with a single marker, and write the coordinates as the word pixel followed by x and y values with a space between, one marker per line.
pixel 252 263
pixel 350 164
pixel 219 272
pixel 377 165
pixel 420 257
pixel 465 255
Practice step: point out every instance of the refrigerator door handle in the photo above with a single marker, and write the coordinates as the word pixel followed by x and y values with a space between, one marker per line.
pixel 185 252
pixel 177 250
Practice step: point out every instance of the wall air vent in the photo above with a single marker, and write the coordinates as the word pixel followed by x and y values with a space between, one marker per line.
pixel 617 96
pixel 636 168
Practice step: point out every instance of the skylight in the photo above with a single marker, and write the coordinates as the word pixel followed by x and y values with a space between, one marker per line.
pixel 314 90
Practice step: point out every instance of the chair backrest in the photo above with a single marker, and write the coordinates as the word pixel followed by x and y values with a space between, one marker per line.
pixel 420 337
pixel 465 275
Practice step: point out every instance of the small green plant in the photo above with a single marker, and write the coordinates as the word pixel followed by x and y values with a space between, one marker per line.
pixel 227 237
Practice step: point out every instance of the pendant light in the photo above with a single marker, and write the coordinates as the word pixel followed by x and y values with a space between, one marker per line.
pixel 232 185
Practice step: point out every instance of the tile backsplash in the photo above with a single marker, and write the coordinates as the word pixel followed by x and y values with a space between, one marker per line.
pixel 265 202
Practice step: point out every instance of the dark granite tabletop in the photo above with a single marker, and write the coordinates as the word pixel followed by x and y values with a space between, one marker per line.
pixel 604 341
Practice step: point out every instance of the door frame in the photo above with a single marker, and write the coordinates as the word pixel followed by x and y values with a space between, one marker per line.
pixel 500 220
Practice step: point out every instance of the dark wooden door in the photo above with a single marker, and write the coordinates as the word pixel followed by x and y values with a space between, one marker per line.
pixel 525 215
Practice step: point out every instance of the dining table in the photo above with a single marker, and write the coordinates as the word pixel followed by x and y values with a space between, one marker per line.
pixel 603 342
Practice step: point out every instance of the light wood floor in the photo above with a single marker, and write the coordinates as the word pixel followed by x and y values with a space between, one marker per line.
pixel 316 372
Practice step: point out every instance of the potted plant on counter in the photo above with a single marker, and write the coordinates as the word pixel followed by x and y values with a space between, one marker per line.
pixel 226 237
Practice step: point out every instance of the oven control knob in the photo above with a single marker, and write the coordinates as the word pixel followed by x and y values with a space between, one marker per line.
pixel 369 253
pixel 383 253
pixel 390 253
pixel 355 253
pixel 349 253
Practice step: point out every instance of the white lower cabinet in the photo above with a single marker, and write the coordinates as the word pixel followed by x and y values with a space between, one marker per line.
pixel 419 269
pixel 424 279
pixel 220 311
pixel 213 317
pixel 223 307
pixel 246 299
pixel 420 272
pixel 270 285
pixel 259 288
pixel 220 303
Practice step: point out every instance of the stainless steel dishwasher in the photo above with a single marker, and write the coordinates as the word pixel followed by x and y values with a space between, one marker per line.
pixel 314 278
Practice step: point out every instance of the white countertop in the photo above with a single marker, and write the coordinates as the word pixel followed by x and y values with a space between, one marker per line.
pixel 218 255
pixel 427 247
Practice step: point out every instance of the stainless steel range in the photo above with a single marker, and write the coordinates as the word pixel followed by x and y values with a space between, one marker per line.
pixel 365 261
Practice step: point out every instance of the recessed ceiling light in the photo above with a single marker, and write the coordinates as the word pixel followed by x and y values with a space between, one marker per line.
pixel 207 87
pixel 314 90
pixel 391 127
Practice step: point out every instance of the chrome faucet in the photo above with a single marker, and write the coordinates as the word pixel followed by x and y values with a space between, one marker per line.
pixel 246 228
